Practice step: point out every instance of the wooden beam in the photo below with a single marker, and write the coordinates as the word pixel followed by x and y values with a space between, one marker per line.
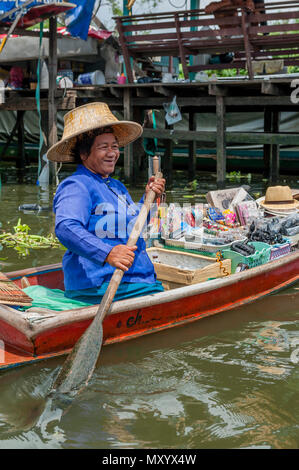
pixel 216 90
pixel 231 137
pixel 181 47
pixel 262 138
pixel 236 102
pixel 269 88
pixel 156 102
pixel 247 44
pixel 162 90
pixel 29 103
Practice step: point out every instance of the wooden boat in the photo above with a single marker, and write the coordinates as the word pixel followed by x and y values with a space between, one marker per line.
pixel 38 334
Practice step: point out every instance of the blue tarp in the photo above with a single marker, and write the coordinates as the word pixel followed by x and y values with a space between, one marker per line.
pixel 77 19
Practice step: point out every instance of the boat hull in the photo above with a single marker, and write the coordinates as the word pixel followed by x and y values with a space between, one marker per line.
pixel 129 319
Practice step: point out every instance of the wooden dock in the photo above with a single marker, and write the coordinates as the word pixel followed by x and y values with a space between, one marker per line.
pixel 270 96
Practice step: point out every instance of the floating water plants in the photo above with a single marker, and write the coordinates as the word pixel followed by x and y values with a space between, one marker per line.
pixel 22 241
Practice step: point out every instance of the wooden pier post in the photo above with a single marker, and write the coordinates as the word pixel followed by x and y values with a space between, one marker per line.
pixel 275 148
pixel 271 151
pixel 168 161
pixel 52 108
pixel 192 148
pixel 20 160
pixel 220 141
pixel 267 147
pixel 128 150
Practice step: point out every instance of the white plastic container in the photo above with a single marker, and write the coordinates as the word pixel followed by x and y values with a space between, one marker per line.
pixel 92 78
pixel 44 77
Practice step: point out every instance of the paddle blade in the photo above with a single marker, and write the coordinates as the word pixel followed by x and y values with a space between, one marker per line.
pixel 81 362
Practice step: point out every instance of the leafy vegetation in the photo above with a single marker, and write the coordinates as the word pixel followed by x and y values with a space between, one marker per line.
pixel 22 241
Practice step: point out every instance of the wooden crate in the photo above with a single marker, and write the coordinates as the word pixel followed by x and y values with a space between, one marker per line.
pixel 178 268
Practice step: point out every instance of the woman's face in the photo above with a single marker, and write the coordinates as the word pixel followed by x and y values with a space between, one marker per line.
pixel 103 155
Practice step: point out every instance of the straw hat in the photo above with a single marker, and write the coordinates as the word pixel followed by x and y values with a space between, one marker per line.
pixel 86 118
pixel 279 198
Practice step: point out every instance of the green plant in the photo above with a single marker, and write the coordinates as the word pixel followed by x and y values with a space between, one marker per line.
pixel 22 241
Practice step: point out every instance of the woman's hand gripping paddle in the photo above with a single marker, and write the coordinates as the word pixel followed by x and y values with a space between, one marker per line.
pixel 80 364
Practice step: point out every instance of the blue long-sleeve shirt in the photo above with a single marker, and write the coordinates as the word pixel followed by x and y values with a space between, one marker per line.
pixel 94 214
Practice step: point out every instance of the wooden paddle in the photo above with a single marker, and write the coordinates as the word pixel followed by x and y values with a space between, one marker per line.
pixel 80 364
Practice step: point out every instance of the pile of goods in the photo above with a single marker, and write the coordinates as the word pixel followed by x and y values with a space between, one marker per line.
pixel 233 222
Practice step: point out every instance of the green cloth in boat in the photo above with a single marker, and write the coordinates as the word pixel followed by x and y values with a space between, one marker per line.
pixel 56 299
pixel 53 299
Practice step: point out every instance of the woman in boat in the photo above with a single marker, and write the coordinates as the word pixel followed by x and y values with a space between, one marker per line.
pixel 95 213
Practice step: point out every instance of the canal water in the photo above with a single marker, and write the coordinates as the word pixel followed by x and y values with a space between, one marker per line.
pixel 225 382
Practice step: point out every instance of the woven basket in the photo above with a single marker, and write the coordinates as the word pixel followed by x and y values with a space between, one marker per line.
pixel 10 294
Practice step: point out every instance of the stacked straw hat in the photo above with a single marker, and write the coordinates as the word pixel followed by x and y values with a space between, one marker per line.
pixel 279 199
pixel 88 118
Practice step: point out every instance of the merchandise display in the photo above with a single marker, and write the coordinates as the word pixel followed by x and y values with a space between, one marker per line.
pixel 239 225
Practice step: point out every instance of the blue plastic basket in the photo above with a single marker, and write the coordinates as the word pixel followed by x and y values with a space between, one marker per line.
pixel 281 249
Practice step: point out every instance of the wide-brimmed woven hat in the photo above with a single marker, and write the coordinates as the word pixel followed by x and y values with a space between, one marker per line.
pixel 279 198
pixel 86 118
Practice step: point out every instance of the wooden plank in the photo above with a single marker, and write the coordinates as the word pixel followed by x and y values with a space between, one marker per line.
pixel 231 137
pixel 262 138
pixel 181 101
pixel 29 104
pixel 168 36
pixel 260 101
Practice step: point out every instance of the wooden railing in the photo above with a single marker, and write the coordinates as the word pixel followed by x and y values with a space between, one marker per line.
pixel 270 32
